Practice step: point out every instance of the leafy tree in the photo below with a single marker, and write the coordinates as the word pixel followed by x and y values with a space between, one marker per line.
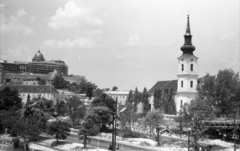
pixel 88 128
pixel 114 88
pixel 155 120
pixel 100 115
pixel 98 92
pixel 61 108
pixel 130 97
pixel 76 109
pixel 58 128
pixel 41 81
pixel 44 105
pixel 59 82
pixel 9 99
pixel 28 129
pixel 222 91
pixel 194 116
pixel 104 100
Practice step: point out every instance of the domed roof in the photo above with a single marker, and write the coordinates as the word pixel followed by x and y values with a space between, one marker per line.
pixel 38 57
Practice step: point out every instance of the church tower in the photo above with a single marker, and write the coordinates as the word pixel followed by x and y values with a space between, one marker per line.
pixel 187 71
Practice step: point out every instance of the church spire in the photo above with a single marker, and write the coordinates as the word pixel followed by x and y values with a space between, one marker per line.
pixel 188 48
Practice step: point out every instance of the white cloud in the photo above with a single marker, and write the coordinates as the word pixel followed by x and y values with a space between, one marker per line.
pixel 80 42
pixel 133 40
pixel 14 24
pixel 19 53
pixel 73 16
pixel 230 35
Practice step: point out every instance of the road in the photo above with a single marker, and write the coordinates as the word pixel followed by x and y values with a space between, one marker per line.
pixel 104 144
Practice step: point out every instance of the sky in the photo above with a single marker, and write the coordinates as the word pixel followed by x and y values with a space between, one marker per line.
pixel 123 43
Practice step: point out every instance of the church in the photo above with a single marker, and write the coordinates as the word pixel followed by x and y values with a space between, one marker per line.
pixel 184 87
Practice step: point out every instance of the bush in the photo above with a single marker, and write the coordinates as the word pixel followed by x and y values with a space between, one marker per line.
pixel 129 134
pixel 16 142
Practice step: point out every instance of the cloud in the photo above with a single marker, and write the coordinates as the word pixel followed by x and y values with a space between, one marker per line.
pixel 80 42
pixel 73 16
pixel 230 35
pixel 19 53
pixel 133 40
pixel 14 24
pixel 128 64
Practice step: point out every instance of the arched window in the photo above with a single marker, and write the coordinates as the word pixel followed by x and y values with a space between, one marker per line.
pixel 182 84
pixel 191 84
pixel 181 104
pixel 182 67
pixel 191 67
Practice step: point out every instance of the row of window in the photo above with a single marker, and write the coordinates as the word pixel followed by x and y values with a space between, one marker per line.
pixel 191 84
pixel 191 67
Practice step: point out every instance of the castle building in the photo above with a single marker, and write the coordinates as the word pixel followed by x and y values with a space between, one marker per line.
pixel 37 66
pixel 184 87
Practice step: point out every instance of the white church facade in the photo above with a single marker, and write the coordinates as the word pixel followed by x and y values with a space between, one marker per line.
pixel 185 86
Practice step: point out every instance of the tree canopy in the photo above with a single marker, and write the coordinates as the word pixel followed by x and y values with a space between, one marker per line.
pixel 59 82
pixel 9 99
pixel 222 91
pixel 58 128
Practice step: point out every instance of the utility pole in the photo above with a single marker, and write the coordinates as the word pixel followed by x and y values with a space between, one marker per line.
pixel 234 131
pixel 114 131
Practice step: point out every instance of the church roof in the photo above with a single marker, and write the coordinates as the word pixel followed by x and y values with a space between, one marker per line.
pixel 171 84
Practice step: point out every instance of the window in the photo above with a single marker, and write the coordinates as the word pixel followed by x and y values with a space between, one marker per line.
pixel 181 104
pixel 182 84
pixel 182 67
pixel 191 67
pixel 191 84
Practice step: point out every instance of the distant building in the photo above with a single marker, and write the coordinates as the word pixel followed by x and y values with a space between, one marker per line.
pixel 37 66
pixel 121 95
pixel 185 87
pixel 47 92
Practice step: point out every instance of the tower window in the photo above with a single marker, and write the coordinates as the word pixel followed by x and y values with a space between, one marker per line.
pixel 191 67
pixel 191 84
pixel 181 104
pixel 182 84
pixel 182 67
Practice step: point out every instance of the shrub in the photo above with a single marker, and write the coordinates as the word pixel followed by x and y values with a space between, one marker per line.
pixel 16 142
pixel 129 134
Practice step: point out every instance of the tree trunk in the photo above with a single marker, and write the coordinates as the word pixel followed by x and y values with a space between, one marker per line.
pixel 85 141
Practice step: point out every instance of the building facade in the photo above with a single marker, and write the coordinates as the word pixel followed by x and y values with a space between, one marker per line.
pixel 121 95
pixel 37 66
pixel 47 92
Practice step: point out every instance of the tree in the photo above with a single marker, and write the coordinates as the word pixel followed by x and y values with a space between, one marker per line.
pixel 59 82
pixel 88 128
pixel 58 128
pixel 222 91
pixel 194 116
pixel 155 120
pixel 100 115
pixel 114 88
pixel 41 81
pixel 104 100
pixel 157 98
pixel 76 109
pixel 145 101
pixel 9 99
pixel 61 108
pixel 169 105
pixel 28 129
